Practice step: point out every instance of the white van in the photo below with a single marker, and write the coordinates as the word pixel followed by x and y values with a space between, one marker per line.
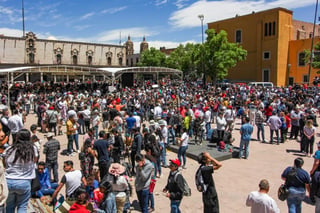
pixel 260 84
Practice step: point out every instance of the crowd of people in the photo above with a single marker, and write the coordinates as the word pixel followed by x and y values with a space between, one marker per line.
pixel 124 133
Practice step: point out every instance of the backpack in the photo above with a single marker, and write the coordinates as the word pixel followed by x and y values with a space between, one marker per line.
pixel 201 186
pixel 186 189
pixel 291 176
pixel 82 156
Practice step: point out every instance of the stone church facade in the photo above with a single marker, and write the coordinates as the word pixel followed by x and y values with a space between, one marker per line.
pixel 17 51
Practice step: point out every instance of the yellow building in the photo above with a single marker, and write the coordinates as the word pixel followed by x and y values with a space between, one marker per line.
pixel 275 43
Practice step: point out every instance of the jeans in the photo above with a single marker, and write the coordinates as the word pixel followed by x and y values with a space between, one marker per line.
pixel 81 126
pixel 317 204
pixel 70 144
pixel 163 154
pixel 260 129
pixel 19 194
pixel 103 168
pixel 27 107
pixel 294 200
pixel 143 197
pixel 46 191
pixel 54 167
pixel 96 132
pixel 182 152
pixel 172 134
pixel 174 204
pixel 244 145
pixel 208 127
pixel 158 166
pixel 54 127
pixel 294 131
pixel 271 135
pixel 76 140
pixel 151 200
pixel 190 132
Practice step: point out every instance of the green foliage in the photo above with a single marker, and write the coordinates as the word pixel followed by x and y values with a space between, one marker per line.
pixel 316 57
pixel 152 57
pixel 215 57
pixel 183 58
pixel 220 55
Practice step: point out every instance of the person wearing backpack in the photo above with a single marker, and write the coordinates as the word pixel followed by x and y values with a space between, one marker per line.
pixel 315 190
pixel 205 182
pixel 297 181
pixel 174 189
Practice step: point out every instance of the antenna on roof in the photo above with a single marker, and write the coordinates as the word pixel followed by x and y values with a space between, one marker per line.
pixel 23 18
pixel 120 38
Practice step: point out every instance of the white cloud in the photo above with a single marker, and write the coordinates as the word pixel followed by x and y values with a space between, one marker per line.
pixel 218 10
pixel 11 32
pixel 114 10
pixel 134 32
pixel 181 3
pixel 161 2
pixel 86 16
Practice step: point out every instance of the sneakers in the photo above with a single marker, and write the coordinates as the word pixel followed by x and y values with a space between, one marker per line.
pixel 78 151
pixel 184 167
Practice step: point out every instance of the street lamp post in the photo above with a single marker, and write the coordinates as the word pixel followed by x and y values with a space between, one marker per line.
pixel 312 41
pixel 201 17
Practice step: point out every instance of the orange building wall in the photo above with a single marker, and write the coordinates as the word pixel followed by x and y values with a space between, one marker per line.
pixel 296 71
pixel 254 41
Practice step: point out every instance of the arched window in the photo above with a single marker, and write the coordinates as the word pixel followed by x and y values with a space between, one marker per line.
pixel 31 58
pixel 59 58
pixel 120 61
pixel 75 60
pixel 31 43
pixel 109 61
pixel 89 59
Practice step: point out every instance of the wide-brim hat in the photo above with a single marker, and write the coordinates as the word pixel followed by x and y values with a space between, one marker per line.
pixel 116 169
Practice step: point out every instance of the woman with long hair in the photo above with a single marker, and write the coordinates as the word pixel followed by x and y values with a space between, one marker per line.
pixel 88 160
pixel 20 160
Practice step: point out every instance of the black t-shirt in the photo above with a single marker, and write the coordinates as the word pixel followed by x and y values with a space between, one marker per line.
pixel 101 146
pixel 105 116
pixel 207 172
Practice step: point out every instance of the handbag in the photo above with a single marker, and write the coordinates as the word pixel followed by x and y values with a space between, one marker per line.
pixel 35 183
pixel 283 192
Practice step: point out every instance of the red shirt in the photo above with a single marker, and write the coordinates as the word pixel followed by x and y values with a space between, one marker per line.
pixel 77 208
pixel 288 121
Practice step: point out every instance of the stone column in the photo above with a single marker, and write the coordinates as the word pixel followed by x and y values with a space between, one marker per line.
pixel 41 77
pixel 27 77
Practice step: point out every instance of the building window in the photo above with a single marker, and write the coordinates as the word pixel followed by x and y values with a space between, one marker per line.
pixel 120 61
pixel 270 29
pixel 132 62
pixel 31 58
pixel 273 28
pixel 137 60
pixel 109 61
pixel 90 60
pixel 266 29
pixel 266 55
pixel 291 81
pixel 265 75
pixel 75 60
pixel 59 59
pixel 302 57
pixel 310 35
pixel 238 36
pixel 305 78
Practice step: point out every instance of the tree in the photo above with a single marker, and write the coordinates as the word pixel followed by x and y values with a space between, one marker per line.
pixel 220 55
pixel 183 58
pixel 152 57
pixel 316 57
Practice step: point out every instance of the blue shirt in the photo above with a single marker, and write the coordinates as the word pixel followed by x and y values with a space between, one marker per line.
pixel 130 122
pixel 246 131
pixel 302 177
pixel 317 155
pixel 44 179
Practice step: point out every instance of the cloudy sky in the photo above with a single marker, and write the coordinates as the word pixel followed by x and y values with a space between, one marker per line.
pixel 163 22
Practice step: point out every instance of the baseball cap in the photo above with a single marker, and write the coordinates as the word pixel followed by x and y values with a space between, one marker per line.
pixel 176 162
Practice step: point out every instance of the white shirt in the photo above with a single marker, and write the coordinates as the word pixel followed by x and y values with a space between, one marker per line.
pixel 138 120
pixel 15 123
pixel 185 139
pixel 261 203
pixel 207 116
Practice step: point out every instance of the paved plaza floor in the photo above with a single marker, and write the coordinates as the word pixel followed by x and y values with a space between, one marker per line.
pixel 234 180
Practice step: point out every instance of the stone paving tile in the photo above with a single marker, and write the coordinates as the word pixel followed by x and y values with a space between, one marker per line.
pixel 234 180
